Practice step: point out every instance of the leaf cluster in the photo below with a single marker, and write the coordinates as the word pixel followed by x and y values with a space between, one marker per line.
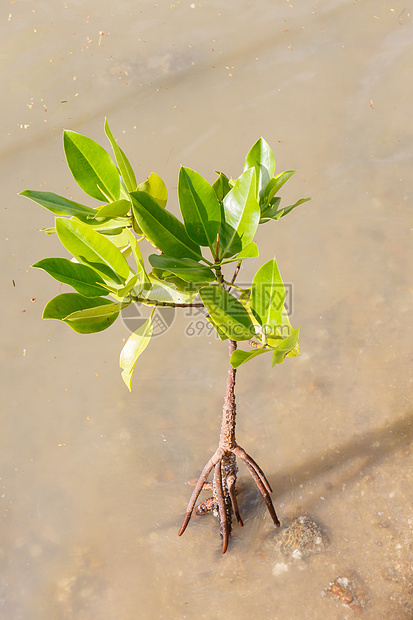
pixel 106 268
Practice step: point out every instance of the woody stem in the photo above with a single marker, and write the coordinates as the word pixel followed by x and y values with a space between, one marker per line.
pixel 227 436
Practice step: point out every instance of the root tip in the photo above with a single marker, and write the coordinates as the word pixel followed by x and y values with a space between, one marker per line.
pixel 184 523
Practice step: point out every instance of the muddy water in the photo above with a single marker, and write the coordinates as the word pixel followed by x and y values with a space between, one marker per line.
pixel 93 479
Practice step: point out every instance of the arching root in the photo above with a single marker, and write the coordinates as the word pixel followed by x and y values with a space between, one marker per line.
pixel 224 489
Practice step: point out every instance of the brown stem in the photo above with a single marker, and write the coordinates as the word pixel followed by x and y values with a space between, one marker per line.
pixel 227 436
pixel 216 249
pixel 168 304
pixel 236 272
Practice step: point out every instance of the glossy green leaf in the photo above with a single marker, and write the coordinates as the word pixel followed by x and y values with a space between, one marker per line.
pixel 83 279
pixel 221 335
pixel 170 278
pixel 239 357
pixel 227 313
pixel 166 293
pixel 268 296
pixel 287 210
pixel 221 186
pixel 118 208
pixel 200 208
pixel 107 226
pixel 262 159
pixel 162 228
pixel 186 268
pixel 125 168
pixel 283 330
pixel 125 250
pixel 98 312
pixel 120 238
pixel 270 210
pixel 241 215
pixel 274 343
pixel 140 266
pixel 156 188
pixel 250 251
pixel 285 347
pixel 295 351
pixel 63 305
pixel 121 293
pixel 92 248
pixel 181 285
pixel 58 204
pixel 134 347
pixel 275 184
pixel 91 166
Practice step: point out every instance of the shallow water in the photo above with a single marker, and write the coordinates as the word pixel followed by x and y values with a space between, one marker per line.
pixel 93 479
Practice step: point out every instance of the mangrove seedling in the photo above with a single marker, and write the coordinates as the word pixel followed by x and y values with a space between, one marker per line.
pixel 195 262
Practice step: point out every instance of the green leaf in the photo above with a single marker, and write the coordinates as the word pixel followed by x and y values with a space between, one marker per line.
pixel 287 210
pixel 134 347
pixel 275 184
pixel 239 357
pixel 270 210
pixel 285 347
pixel 162 228
pixel 97 312
pixel 91 166
pixel 241 215
pixel 170 278
pixel 186 268
pixel 118 208
pixel 221 334
pixel 274 213
pixel 119 238
pixel 262 159
pixel 156 188
pixel 267 297
pixel 200 208
pixel 63 305
pixel 121 293
pixel 58 204
pixel 137 254
pixel 92 248
pixel 283 330
pixel 83 279
pixel 221 186
pixel 125 168
pixel 227 313
pixel 249 251
pixel 108 226
pixel 164 293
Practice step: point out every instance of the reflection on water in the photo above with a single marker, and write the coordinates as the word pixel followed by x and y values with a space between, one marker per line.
pixel 94 480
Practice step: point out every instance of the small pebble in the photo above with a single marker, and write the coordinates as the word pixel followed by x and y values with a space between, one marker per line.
pixel 349 590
